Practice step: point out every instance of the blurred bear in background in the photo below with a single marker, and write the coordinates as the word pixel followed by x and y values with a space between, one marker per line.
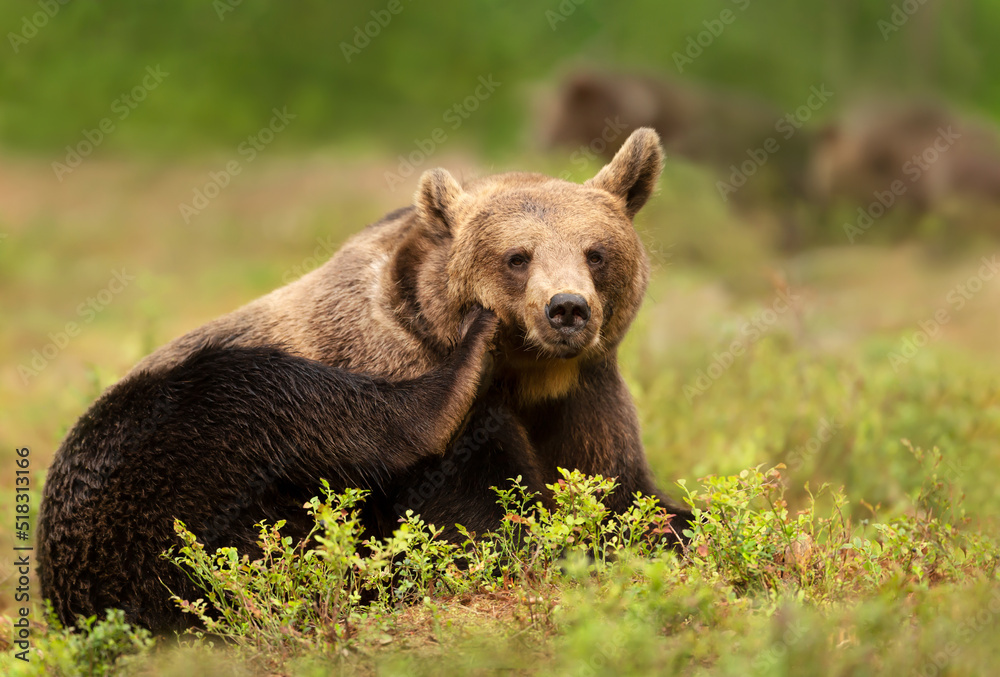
pixel 914 156
pixel 757 151
pixel 918 152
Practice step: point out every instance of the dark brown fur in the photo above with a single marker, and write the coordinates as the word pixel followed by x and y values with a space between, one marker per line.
pixel 389 305
pixel 225 438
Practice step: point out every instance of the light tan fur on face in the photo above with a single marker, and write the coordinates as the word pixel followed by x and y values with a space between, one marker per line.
pixel 390 301
pixel 556 224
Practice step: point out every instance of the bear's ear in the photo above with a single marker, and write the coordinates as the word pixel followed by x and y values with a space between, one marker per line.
pixel 632 173
pixel 435 199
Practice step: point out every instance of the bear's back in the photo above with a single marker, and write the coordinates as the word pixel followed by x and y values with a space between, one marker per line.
pixel 338 314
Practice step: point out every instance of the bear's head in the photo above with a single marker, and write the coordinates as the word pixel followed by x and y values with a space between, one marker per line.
pixel 560 263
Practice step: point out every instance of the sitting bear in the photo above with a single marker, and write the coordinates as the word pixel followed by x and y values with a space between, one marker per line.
pixel 558 263
pixel 226 438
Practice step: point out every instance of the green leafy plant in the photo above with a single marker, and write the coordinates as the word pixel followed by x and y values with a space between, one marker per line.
pixel 94 646
pixel 295 596
pixel 595 587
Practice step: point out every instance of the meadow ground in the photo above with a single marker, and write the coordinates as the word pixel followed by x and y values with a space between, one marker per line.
pixel 870 367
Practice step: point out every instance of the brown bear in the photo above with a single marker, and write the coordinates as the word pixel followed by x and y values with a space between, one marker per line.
pixel 226 438
pixel 559 264
pixel 916 152
pixel 594 112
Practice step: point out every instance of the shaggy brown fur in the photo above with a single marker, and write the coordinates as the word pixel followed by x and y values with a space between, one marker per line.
pixel 225 438
pixel 389 302
pixel 558 263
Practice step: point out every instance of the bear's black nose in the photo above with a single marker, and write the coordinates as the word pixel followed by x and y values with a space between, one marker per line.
pixel 568 312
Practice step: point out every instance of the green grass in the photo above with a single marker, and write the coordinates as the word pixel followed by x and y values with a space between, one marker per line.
pixel 849 506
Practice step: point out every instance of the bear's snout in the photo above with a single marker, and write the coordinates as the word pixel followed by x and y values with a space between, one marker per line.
pixel 567 313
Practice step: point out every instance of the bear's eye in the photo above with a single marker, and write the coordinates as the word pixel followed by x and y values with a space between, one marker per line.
pixel 517 260
pixel 595 258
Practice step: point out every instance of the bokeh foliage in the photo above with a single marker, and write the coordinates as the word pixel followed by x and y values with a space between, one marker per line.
pixel 227 73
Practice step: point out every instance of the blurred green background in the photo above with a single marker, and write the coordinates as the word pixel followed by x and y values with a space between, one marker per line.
pixel 230 64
